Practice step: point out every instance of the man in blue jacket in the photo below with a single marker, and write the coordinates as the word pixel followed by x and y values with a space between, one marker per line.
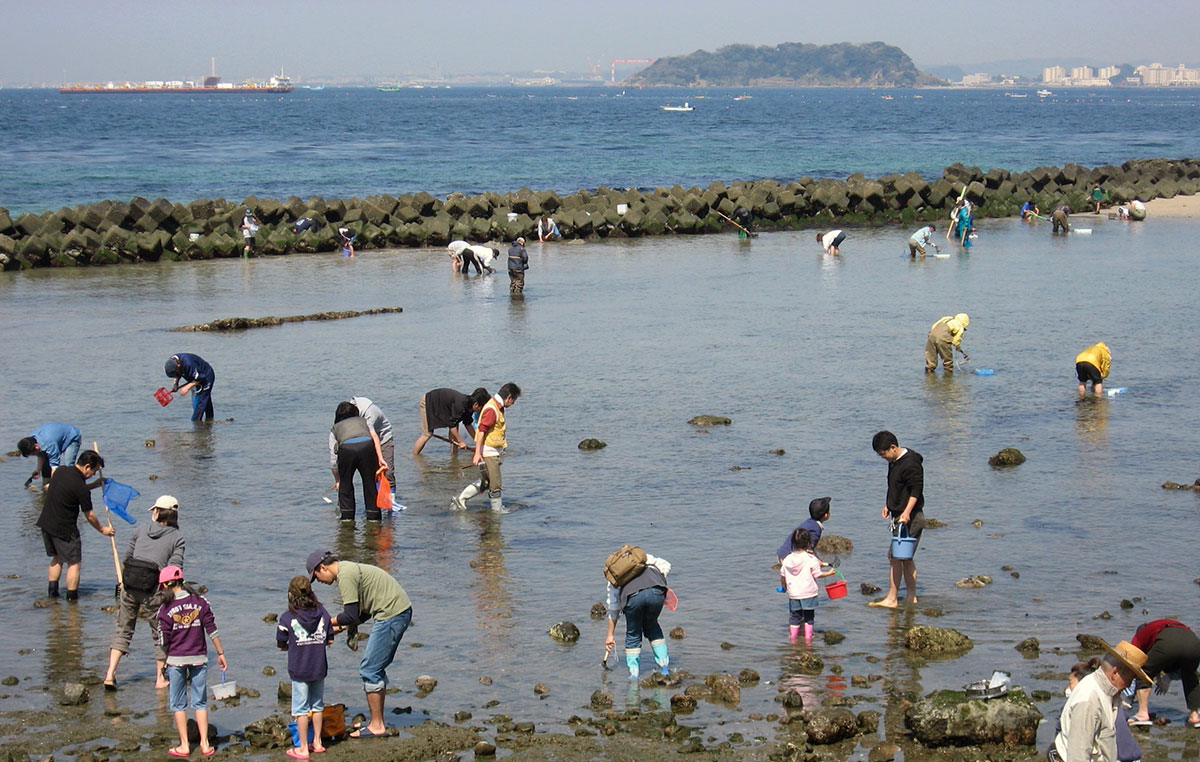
pixel 54 444
pixel 196 374
pixel 518 263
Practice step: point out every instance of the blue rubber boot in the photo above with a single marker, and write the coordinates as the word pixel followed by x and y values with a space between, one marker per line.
pixel 631 660
pixel 659 647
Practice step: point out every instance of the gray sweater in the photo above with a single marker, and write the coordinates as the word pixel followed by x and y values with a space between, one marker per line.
pixel 157 543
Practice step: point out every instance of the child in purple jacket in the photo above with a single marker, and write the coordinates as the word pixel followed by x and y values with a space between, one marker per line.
pixel 183 621
pixel 304 632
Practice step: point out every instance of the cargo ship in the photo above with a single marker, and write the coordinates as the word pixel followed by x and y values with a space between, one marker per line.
pixel 279 83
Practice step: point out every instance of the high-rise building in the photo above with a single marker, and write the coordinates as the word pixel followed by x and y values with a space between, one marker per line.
pixel 1053 73
pixel 1108 72
pixel 1081 72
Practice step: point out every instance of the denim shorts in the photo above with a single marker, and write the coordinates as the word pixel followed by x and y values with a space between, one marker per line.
pixel 178 677
pixel 381 649
pixel 307 697
pixel 803 604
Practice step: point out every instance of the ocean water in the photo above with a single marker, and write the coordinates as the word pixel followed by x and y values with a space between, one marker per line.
pixel 625 341
pixel 60 150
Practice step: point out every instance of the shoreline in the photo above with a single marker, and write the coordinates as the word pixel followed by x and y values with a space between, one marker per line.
pixel 113 232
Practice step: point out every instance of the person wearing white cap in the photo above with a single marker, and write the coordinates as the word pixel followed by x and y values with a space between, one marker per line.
pixel 518 263
pixel 1088 718
pixel 154 545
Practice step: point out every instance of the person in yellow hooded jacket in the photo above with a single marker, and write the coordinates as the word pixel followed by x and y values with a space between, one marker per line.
pixel 945 336
pixel 1092 365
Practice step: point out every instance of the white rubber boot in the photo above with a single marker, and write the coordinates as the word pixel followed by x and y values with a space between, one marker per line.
pixel 460 503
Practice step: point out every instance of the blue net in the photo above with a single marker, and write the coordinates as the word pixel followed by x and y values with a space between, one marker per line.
pixel 117 497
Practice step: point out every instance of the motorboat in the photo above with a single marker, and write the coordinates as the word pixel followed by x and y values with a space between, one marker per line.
pixel 684 107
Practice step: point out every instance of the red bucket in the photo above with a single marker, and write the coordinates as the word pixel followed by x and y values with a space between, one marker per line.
pixel 163 396
pixel 836 589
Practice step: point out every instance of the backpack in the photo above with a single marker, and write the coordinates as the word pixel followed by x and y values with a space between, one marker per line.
pixel 140 575
pixel 621 567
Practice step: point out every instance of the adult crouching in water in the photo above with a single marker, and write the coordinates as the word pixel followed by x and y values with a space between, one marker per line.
pixel 153 546
pixel 1059 219
pixel 641 599
pixel 356 447
pixel 200 378
pixel 944 337
pixel 518 263
pixel 1171 649
pixel 1092 364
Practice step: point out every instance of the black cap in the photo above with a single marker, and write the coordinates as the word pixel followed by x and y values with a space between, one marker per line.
pixel 818 507
pixel 172 367
pixel 319 558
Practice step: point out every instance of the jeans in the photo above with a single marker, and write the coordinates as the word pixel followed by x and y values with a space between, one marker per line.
pixel 307 697
pixel 178 677
pixel 641 616
pixel 381 649
pixel 202 405
pixel 69 454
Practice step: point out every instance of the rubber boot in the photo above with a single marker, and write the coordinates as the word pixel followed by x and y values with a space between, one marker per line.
pixel 808 632
pixel 52 589
pixel 631 660
pixel 793 632
pixel 73 595
pixel 497 502
pixel 460 503
pixel 659 647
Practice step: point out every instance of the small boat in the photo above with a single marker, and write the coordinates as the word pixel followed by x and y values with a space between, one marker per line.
pixel 314 87
pixel 743 97
pixel 886 98
pixel 1016 95
pixel 684 107
pixel 1044 93
pixel 389 88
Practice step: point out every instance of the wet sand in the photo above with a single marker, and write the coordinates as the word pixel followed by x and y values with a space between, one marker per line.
pixel 1185 207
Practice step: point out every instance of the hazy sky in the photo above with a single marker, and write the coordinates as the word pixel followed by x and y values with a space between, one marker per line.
pixel 54 41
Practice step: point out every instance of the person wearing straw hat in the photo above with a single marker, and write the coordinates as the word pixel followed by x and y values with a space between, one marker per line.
pixel 1088 718
pixel 154 545
pixel 1171 648
pixel 67 496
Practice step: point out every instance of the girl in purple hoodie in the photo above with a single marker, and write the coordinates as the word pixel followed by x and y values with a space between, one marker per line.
pixel 304 632
pixel 182 623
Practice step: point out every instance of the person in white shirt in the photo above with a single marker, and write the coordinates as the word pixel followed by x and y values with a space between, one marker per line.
pixel 920 240
pixel 831 241
pixel 1088 718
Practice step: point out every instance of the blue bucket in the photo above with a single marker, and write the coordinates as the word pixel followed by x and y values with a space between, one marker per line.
pixel 903 546
pixel 295 731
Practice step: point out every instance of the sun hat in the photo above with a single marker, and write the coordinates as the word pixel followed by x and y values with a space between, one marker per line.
pixel 319 558
pixel 521 241
pixel 170 574
pixel 165 501
pixel 1129 655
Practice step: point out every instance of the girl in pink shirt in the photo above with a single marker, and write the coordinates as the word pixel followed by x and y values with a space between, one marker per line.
pixel 799 573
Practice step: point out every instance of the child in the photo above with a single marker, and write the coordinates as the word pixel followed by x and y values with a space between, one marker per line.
pixel 818 514
pixel 347 242
pixel 182 622
pixel 304 631
pixel 799 573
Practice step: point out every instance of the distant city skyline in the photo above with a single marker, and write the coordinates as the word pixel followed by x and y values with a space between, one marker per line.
pixel 53 42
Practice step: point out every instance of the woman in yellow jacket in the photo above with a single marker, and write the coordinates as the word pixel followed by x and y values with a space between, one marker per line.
pixel 1092 365
pixel 945 336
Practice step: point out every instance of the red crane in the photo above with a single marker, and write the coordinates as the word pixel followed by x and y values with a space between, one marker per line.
pixel 612 72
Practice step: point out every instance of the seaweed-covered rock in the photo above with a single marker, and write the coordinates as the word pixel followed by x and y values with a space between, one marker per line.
pixel 1009 456
pixel 592 444
pixel 710 420
pixel 809 663
pixel 677 633
pixel 1029 646
pixel 564 632
pixel 748 677
pixel 1090 642
pixel 934 641
pixel 598 611
pixel 724 687
pixel 832 637
pixel 974 581
pixel 830 725
pixel 949 718
pixel 834 544
pixel 73 694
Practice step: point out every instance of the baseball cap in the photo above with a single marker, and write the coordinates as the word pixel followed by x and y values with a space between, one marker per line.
pixel 165 501
pixel 319 558
pixel 170 574
pixel 172 366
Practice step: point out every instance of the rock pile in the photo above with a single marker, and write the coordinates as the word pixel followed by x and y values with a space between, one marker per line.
pixel 110 232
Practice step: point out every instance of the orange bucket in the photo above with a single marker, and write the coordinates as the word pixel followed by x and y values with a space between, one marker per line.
pixel 163 396
pixel 836 589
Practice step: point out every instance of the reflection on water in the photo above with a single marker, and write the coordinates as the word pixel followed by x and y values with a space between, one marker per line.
pixel 901 679
pixel 63 653
pixel 491 587
pixel 1091 422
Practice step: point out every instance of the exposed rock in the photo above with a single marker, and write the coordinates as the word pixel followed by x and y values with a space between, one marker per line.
pixel 524 727
pixel 977 523
pixel 1041 695
pixel 869 589
pixel 832 637
pixel 150 443
pixel 425 683
pixel 780 451
pixel 830 725
pixel 284 691
pixel 485 749
pixel 927 639
pixel 724 687
pixel 883 752
pixel 1009 456
pixel 727 646
pixel 677 633
pixel 601 700
pixel 973 581
pixel 834 544
pixel 809 663
pixel 748 677
pixel 934 524
pixel 859 681
pixel 1029 646
pixel 598 611
pixel 792 700
pixel 541 689
pixel 10 680
pixel 681 702
pixel 271 618
pixel 564 632
pixel 933 612
pixel 462 715
pixel 1089 642
pixel 485 680
pixel 73 694
pixel 867 720
pixel 948 718
pixel 592 444
pixel 1126 603
pixel 710 420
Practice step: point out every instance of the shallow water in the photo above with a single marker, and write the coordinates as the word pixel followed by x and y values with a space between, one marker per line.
pixel 625 341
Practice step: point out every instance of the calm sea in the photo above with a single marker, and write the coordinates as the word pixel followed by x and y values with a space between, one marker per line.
pixel 60 150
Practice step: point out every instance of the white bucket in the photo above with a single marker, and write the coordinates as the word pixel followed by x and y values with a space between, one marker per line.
pixel 193 236
pixel 224 691
pixel 512 216
pixel 622 208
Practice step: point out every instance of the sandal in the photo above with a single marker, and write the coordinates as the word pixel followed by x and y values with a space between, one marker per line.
pixel 295 754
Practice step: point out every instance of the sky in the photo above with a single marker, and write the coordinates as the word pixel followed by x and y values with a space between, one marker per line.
pixel 54 42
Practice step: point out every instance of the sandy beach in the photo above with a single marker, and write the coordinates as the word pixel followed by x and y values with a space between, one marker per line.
pixel 1180 206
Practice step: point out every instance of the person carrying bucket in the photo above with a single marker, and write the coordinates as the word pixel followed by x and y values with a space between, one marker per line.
pixel 904 508
pixel 198 376
pixel 799 573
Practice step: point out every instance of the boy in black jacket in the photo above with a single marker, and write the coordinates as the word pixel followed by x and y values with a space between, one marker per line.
pixel 905 501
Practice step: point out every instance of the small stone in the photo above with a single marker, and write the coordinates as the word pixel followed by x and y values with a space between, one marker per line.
pixel 153 477
pixel 677 633
pixel 598 611
pixel 473 563
pixel 977 523
pixel 934 524
pixel 1006 567
pixel 1126 603
pixel 108 609
pixel 462 715
pixel 1161 721
pixel 740 468
pixel 748 677
pixel 974 581
pixel 284 691
pixel 485 749
pixel 1009 456
pixel 271 618
pixel 564 632
pixel 1029 646
pixel 869 589
pixel 754 717
pixel 859 681
pixel 524 727
pixel 42 603
pixel 1015 575
pixel 724 687
pixel 1040 695
pixel 810 664
pixel 601 700
pixel 235 502
pixel 726 645
pixel 883 752
pixel 1104 615
pixel 541 689
pixel 837 669
pixel 710 420
pixel 10 680
pixel 1090 642
pixel 832 637
pixel 73 694
pixel 269 671
pixel 425 683
pixel 485 680
pixel 592 444
pixel 780 451
pixel 149 442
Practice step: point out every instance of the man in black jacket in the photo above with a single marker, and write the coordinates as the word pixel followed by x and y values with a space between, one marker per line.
pixel 518 263
pixel 905 503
